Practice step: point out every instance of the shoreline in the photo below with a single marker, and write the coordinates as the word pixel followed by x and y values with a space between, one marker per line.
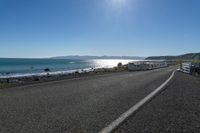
pixel 48 76
pixel 51 73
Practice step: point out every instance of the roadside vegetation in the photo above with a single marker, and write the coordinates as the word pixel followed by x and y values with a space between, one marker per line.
pixel 12 82
pixel 189 56
pixel 5 85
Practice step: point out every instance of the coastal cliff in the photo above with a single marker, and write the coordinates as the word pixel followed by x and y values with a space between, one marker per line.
pixel 189 56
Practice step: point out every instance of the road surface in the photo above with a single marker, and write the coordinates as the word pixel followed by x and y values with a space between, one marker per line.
pixel 79 105
pixel 175 110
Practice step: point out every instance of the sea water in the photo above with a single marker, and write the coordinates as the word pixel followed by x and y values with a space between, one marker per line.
pixel 28 67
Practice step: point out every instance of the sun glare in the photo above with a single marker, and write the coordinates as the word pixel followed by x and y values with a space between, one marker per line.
pixel 117 3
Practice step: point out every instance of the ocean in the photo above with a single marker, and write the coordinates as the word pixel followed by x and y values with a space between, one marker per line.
pixel 29 67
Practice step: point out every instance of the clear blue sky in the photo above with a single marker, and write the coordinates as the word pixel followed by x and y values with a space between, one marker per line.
pixel 45 28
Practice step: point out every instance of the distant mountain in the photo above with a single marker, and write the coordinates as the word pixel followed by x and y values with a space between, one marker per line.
pixel 189 56
pixel 98 57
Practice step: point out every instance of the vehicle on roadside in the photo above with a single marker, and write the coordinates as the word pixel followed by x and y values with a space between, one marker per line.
pixel 190 68
pixel 146 65
pixel 186 67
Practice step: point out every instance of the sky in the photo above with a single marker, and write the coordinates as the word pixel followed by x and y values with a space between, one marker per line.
pixel 46 28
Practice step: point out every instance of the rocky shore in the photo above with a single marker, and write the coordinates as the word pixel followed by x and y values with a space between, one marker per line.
pixel 18 81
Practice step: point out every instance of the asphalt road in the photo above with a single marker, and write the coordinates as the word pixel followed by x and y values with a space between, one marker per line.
pixel 80 105
pixel 175 110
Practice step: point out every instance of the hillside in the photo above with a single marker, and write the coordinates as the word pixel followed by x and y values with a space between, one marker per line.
pixel 189 56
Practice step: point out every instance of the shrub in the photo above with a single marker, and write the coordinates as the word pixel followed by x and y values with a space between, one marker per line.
pixel 119 64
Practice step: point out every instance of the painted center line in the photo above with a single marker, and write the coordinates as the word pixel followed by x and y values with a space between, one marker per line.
pixel 115 124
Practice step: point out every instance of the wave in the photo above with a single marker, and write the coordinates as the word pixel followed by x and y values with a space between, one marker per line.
pixel 26 68
pixel 21 75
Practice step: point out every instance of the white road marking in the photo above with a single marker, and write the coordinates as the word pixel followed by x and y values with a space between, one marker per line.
pixel 115 124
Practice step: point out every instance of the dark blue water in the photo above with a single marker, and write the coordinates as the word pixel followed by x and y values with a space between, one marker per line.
pixel 20 67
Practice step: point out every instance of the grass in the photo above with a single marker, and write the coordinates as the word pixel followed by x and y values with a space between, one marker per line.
pixel 5 85
pixel 115 69
pixel 196 61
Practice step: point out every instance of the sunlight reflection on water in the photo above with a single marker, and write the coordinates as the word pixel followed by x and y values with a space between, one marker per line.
pixel 108 63
pixel 30 67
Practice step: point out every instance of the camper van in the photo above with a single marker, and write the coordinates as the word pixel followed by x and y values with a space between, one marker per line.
pixel 146 65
